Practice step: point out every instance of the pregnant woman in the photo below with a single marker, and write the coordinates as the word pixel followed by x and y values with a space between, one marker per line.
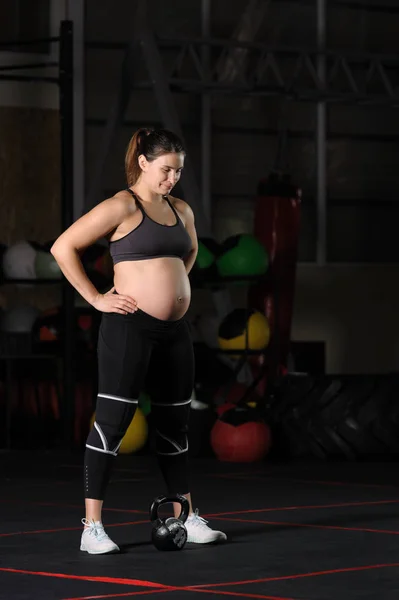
pixel 143 337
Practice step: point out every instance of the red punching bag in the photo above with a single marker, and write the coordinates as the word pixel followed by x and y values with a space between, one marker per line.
pixel 276 226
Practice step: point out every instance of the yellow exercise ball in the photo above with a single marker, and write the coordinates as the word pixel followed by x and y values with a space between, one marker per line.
pixel 239 324
pixel 136 434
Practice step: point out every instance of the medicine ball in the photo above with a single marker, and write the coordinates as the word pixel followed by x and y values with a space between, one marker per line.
pixel 242 255
pixel 244 328
pixel 240 435
pixel 19 319
pixel 19 261
pixel 136 434
pixel 205 263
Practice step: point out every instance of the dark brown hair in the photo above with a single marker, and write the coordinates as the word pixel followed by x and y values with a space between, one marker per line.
pixel 152 143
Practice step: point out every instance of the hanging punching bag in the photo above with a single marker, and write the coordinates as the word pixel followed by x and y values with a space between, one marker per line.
pixel 276 226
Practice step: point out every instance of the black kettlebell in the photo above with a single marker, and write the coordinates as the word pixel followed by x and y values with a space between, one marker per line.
pixel 169 534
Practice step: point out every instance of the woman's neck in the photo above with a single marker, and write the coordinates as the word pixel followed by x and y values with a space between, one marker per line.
pixel 145 195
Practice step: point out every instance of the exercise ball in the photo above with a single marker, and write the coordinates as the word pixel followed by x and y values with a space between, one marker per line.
pixel 208 250
pixel 239 435
pixel 19 319
pixel 19 261
pixel 136 434
pixel 244 328
pixel 242 255
pixel 205 263
pixel 145 403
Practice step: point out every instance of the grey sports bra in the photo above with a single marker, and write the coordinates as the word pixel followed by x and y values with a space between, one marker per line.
pixel 151 239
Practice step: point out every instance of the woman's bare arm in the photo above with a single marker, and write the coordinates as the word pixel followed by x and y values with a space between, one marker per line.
pixel 97 223
pixel 188 215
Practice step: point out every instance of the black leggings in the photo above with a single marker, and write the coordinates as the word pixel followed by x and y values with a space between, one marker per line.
pixel 137 351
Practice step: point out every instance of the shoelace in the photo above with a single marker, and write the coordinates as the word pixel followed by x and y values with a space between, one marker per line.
pixel 95 529
pixel 195 519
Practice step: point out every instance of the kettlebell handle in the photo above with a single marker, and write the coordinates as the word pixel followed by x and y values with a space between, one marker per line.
pixel 182 500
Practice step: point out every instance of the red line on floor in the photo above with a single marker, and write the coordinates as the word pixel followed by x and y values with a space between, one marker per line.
pixel 311 525
pixel 127 510
pixel 140 593
pixel 219 515
pixel 309 507
pixel 114 580
pixel 200 587
pixel 39 531
pixel 181 589
pixel 69 528
pixel 296 576
pixel 212 515
pixel 240 594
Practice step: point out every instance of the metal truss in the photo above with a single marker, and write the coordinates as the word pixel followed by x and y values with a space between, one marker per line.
pixel 286 71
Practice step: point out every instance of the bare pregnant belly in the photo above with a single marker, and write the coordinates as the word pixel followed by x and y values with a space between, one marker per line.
pixel 160 286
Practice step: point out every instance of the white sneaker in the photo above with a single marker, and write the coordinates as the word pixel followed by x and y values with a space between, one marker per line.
pixel 198 531
pixel 94 539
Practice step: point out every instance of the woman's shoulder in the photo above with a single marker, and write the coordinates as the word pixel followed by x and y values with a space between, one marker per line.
pixel 180 205
pixel 124 201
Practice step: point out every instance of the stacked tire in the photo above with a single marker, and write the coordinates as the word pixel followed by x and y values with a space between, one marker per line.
pixel 349 417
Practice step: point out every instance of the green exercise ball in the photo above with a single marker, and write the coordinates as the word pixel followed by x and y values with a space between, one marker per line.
pixel 145 403
pixel 205 263
pixel 242 255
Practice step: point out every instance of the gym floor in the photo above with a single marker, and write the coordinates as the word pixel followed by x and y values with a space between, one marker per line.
pixel 315 531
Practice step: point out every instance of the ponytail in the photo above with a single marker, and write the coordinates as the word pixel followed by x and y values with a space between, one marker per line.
pixel 134 149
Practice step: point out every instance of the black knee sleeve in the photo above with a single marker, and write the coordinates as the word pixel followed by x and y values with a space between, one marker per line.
pixel 113 416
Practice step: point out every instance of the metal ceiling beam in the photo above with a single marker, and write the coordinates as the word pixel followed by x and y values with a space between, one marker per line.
pixel 283 71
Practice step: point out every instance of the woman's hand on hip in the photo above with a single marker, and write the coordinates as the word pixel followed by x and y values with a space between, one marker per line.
pixel 118 303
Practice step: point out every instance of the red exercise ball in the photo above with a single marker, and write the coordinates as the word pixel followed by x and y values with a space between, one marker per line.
pixel 238 436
